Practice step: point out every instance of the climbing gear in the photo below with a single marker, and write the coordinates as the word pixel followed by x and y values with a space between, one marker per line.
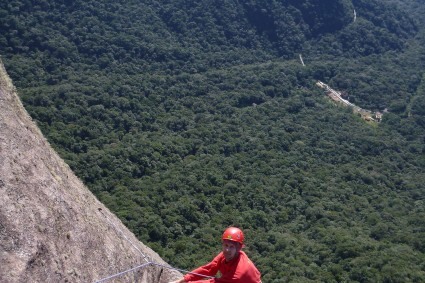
pixel 145 265
pixel 149 262
pixel 233 234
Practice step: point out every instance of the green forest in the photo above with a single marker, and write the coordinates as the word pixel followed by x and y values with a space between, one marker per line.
pixel 186 117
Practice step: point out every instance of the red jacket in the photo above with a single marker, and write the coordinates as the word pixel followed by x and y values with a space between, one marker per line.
pixel 238 270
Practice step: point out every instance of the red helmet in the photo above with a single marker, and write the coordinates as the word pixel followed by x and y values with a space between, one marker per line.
pixel 233 234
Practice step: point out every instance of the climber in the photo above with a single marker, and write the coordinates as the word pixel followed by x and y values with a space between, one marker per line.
pixel 233 264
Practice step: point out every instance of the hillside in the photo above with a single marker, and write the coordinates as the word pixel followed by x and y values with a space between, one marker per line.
pixel 52 229
pixel 184 117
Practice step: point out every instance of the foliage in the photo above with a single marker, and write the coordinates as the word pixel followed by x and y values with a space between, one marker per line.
pixel 185 117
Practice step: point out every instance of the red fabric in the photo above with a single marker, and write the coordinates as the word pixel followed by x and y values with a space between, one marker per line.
pixel 238 270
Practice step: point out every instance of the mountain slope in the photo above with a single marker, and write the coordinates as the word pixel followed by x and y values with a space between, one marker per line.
pixel 52 229
pixel 184 117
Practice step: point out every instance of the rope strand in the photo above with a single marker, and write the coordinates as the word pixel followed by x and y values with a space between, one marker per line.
pixel 122 273
pixel 123 235
pixel 148 264
pixel 182 270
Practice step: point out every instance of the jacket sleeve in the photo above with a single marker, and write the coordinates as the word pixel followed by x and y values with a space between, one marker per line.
pixel 209 269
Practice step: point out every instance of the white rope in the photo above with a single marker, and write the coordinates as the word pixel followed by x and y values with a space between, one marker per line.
pixel 122 233
pixel 148 264
pixel 182 270
pixel 144 256
pixel 122 273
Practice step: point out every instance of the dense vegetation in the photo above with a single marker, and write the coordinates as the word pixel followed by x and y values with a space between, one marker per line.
pixel 185 117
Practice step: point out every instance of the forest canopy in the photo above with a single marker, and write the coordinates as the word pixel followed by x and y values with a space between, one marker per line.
pixel 185 117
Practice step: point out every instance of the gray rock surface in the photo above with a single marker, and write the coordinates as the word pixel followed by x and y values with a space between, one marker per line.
pixel 52 228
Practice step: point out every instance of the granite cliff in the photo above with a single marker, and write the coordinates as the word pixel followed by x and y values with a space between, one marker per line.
pixel 52 228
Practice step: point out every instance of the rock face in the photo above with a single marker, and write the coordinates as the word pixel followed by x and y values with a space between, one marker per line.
pixel 52 229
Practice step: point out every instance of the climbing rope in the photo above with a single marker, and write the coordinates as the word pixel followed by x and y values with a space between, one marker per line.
pixel 148 262
pixel 123 235
pixel 146 265
pixel 181 270
pixel 122 273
